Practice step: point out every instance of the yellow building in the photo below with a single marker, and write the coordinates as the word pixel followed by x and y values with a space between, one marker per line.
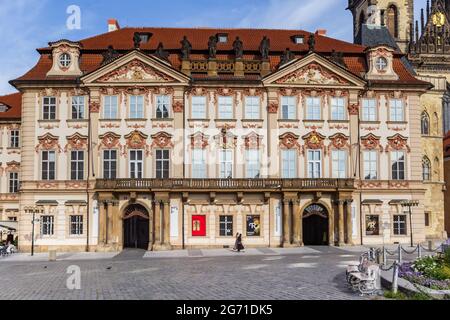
pixel 427 45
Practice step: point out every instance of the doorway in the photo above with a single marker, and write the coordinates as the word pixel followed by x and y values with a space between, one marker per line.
pixel 315 226
pixel 136 230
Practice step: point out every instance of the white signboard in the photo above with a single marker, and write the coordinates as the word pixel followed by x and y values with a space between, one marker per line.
pixel 174 221
pixel 278 220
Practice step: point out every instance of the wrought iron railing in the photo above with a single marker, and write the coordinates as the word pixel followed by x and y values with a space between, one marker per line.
pixel 224 184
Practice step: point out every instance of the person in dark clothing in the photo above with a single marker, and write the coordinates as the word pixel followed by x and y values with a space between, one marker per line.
pixel 239 245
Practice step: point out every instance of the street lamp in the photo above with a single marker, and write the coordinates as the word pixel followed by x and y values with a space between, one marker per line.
pixel 33 210
pixel 409 204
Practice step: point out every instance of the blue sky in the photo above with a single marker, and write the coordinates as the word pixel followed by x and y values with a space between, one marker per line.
pixel 29 24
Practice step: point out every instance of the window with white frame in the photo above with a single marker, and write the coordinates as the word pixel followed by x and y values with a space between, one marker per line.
pixel 14 136
pixel 289 164
pixel 225 108
pixel 76 225
pixel 252 107
pixel 77 165
pixel 136 107
pixel 136 164
pixel 109 164
pixel 313 108
pixel 48 165
pixel 198 107
pixel 110 107
pixel 162 164
pixel 399 225
pixel 13 182
pixel 396 110
pixel 338 109
pixel 370 159
pixel 314 164
pixel 226 164
pixel 288 108
pixel 253 165
pixel 47 225
pixel 339 164
pixel 226 226
pixel 198 164
pixel 369 110
pixel 77 107
pixel 398 165
pixel 162 107
pixel 49 108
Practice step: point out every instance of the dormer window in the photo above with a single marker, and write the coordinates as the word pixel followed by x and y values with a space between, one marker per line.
pixel 145 37
pixel 298 39
pixel 222 38
pixel 65 60
pixel 3 108
pixel 381 64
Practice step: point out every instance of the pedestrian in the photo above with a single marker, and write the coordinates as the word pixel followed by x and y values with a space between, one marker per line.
pixel 239 245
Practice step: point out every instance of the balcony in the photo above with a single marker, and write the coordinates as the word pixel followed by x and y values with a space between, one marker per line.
pixel 218 185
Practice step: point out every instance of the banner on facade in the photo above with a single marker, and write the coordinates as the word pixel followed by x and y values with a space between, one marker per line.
pixel 199 226
pixel 253 226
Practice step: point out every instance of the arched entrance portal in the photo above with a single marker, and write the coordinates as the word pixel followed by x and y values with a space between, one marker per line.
pixel 315 225
pixel 136 227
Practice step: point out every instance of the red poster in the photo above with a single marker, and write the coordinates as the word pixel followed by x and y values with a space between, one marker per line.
pixel 199 226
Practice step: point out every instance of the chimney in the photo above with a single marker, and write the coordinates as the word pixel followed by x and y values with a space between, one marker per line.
pixel 113 25
pixel 321 32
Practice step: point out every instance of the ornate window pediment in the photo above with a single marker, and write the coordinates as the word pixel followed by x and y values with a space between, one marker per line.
pixel 135 71
pixel 371 142
pixel 110 140
pixel 76 142
pixel 314 140
pixel 12 166
pixel 252 141
pixel 162 140
pixel 380 60
pixel 289 140
pixel 199 140
pixel 226 140
pixel 48 142
pixel 136 140
pixel 339 141
pixel 398 142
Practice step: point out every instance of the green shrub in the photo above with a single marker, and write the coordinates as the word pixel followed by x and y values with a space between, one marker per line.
pixel 397 296
pixel 441 273
pixel 427 265
pixel 447 256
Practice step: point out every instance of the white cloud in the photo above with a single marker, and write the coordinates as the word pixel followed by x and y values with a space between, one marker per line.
pixel 19 36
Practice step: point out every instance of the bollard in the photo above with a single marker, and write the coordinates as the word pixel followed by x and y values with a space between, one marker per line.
pixel 419 251
pixel 384 256
pixel 52 255
pixel 430 246
pixel 400 253
pixel 395 278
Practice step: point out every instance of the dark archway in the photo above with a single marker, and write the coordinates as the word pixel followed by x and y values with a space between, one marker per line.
pixel 315 225
pixel 136 230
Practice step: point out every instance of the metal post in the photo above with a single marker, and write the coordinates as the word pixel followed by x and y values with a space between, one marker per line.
pixel 32 232
pixel 419 251
pixel 395 278
pixel 411 226
pixel 400 253
pixel 384 256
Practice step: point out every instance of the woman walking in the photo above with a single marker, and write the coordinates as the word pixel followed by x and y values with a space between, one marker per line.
pixel 239 246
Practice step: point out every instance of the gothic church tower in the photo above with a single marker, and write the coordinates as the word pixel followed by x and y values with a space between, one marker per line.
pixel 396 15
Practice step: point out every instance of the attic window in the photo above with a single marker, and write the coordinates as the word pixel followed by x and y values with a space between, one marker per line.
pixel 222 37
pixel 298 39
pixel 3 108
pixel 145 37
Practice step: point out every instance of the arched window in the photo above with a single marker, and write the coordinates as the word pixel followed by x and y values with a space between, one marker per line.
pixel 426 169
pixel 392 20
pixel 436 124
pixel 425 124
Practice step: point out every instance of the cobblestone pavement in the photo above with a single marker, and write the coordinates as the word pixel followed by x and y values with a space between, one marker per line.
pixel 312 275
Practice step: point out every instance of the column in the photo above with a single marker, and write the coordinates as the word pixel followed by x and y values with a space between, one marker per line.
pixel 331 226
pixel 349 223
pixel 297 224
pixel 166 231
pixel 157 235
pixel 109 234
pixel 286 222
pixel 102 223
pixel 341 222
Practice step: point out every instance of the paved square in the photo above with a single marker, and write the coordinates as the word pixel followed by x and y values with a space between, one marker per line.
pixel 288 274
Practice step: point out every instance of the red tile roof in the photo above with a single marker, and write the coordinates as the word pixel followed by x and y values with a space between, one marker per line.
pixel 14 104
pixel 122 41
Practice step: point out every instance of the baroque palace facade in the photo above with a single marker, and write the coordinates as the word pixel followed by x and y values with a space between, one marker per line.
pixel 426 44
pixel 164 138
